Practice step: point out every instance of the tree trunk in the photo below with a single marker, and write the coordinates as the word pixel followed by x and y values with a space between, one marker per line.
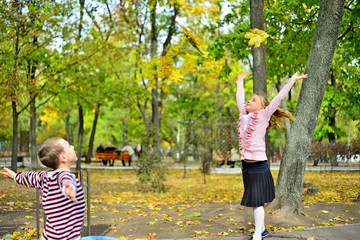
pixel 92 136
pixel 81 114
pixel 67 127
pixel 80 137
pixel 155 91
pixel 290 180
pixel 147 125
pixel 34 160
pixel 259 54
pixel 14 85
pixel 233 131
pixel 15 137
pixel 259 57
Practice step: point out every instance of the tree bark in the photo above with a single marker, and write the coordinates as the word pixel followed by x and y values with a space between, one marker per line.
pixel 15 137
pixel 14 84
pixel 81 114
pixel 259 57
pixel 80 137
pixel 291 175
pixel 259 54
pixel 67 126
pixel 92 136
pixel 34 160
pixel 155 91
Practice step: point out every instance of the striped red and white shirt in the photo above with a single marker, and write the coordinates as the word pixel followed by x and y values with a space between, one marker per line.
pixel 64 218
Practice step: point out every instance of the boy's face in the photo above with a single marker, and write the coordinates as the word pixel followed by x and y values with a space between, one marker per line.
pixel 69 151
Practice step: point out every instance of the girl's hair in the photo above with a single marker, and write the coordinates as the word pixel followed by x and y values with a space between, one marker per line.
pixel 49 152
pixel 279 113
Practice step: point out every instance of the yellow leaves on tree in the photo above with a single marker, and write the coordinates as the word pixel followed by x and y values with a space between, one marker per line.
pixel 166 63
pixel 166 68
pixel 49 115
pixel 256 37
pixel 176 76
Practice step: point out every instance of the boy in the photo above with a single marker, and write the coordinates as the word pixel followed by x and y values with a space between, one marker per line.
pixel 63 196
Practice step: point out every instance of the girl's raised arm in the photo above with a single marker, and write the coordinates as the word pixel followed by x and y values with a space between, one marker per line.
pixel 240 95
pixel 281 95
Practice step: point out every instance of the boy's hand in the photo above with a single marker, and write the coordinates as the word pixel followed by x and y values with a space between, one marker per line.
pixel 297 77
pixel 8 173
pixel 242 76
pixel 69 191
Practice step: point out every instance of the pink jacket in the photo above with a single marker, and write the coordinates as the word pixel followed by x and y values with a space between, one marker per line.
pixel 252 141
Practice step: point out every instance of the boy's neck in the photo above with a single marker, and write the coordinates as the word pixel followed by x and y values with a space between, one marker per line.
pixel 62 166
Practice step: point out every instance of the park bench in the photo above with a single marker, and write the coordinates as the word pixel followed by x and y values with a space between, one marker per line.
pixel 108 155
pixel 111 156
pixel 6 158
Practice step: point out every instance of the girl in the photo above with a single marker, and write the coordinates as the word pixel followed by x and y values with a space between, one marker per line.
pixel 256 116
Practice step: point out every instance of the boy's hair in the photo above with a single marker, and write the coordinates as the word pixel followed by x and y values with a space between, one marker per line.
pixel 49 152
pixel 279 113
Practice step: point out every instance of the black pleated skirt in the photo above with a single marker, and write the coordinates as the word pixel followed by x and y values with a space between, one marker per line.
pixel 258 184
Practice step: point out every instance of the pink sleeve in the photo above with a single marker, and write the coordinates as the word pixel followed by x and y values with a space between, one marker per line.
pixel 240 95
pixel 279 97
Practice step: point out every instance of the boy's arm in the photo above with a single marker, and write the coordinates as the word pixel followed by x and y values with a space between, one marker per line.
pixel 30 179
pixel 67 183
pixel 68 190
pixel 8 173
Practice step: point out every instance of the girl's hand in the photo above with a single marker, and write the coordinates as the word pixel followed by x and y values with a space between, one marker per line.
pixel 242 76
pixel 297 77
pixel 8 173
pixel 69 191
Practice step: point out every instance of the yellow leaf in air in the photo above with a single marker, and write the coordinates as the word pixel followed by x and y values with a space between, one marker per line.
pixel 194 42
pixel 324 211
pixel 256 37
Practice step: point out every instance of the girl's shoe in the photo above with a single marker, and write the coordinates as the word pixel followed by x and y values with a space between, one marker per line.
pixel 265 233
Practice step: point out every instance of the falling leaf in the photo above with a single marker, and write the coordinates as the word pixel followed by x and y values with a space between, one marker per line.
pixel 324 211
pixel 256 37
pixel 192 40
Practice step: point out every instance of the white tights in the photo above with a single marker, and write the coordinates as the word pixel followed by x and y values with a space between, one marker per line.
pixel 259 215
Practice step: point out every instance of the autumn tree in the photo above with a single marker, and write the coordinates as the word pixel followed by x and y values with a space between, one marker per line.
pixel 29 29
pixel 292 168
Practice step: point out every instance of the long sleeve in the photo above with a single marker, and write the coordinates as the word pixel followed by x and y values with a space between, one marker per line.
pixel 279 97
pixel 240 95
pixel 30 179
